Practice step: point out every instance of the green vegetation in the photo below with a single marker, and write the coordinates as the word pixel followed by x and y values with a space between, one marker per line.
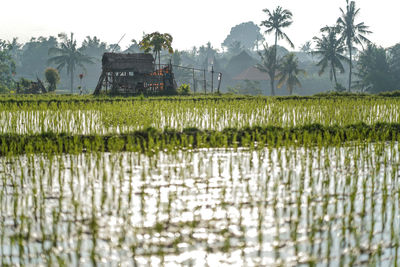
pixel 69 56
pixel 52 78
pixel 157 42
pixel 7 67
pixel 193 121
pixel 204 179
pixel 276 21
pixel 161 180
pixel 331 50
pixel 184 89
pixel 288 72
pixel 353 33
pixel 376 68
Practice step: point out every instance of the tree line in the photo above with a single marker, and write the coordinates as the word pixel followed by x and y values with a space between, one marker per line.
pixel 341 48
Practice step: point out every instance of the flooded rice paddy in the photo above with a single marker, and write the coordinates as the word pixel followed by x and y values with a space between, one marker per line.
pixel 324 206
pixel 124 117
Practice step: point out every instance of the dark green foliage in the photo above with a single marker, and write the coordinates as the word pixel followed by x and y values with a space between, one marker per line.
pixel 184 89
pixel 52 78
pixel 7 66
pixel 69 56
pixel 34 55
pixel 374 70
pixel 288 72
pixel 156 42
pixel 330 51
pixel 352 32
pixel 394 64
pixel 151 140
pixel 276 21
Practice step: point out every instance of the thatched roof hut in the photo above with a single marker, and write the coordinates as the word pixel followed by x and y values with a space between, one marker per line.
pixel 239 63
pixel 140 63
pixel 252 74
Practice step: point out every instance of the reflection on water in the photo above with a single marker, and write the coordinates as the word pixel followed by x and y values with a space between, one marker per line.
pixel 284 206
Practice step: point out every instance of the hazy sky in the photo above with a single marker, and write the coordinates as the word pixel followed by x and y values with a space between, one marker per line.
pixel 190 22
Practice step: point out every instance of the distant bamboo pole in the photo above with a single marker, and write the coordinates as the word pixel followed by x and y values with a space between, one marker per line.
pixel 204 81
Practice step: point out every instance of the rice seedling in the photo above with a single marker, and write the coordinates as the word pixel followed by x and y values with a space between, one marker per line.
pixel 199 180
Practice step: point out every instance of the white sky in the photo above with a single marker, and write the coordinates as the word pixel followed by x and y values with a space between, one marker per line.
pixel 190 22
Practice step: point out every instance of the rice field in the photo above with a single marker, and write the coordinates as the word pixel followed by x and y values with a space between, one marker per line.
pixel 119 117
pixel 286 200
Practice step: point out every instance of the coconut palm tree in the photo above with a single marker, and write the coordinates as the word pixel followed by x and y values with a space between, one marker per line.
pixel 267 64
pixel 156 42
pixel 276 21
pixel 68 55
pixel 288 72
pixel 352 33
pixel 331 51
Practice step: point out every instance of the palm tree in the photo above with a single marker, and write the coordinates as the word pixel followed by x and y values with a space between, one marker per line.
pixel 351 32
pixel 68 55
pixel 331 51
pixel 276 21
pixel 267 65
pixel 288 72
pixel 156 42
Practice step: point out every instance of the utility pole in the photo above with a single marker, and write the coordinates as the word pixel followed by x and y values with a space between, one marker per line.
pixel 204 81
pixel 194 82
pixel 212 78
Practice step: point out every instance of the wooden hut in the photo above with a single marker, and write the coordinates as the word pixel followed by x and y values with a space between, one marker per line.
pixel 133 73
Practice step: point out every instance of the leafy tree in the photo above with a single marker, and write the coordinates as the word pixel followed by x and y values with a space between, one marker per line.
pixel 330 49
pixel 115 48
pixel 267 65
pixel 156 42
pixel 7 66
pixel 352 33
pixel 306 47
pixel 34 55
pixel 394 63
pixel 276 21
pixel 247 34
pixel 374 70
pixel 52 77
pixel 134 47
pixel 69 56
pixel 94 48
pixel 205 53
pixel 235 48
pixel 288 72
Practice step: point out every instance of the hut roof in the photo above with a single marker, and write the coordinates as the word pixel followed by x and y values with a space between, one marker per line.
pixel 252 74
pixel 138 62
pixel 239 63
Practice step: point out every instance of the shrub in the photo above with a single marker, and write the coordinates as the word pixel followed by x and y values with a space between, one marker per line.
pixel 184 89
pixel 52 78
